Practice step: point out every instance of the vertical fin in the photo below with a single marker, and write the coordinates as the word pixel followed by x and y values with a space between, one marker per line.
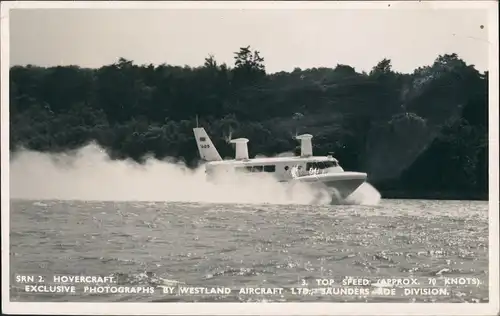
pixel 206 148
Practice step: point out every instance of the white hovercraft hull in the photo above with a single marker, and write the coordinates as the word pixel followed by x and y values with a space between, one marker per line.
pixel 343 183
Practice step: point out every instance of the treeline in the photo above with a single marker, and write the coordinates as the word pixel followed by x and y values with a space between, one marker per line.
pixel 423 134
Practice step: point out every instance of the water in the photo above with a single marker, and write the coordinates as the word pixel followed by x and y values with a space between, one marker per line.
pixel 236 245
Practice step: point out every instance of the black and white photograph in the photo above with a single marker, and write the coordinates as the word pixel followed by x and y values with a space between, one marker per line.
pixel 250 158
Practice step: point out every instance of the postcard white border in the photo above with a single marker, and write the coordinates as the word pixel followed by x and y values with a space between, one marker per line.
pixel 490 308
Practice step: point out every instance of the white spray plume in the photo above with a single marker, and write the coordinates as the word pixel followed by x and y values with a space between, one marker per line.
pixel 89 174
pixel 366 194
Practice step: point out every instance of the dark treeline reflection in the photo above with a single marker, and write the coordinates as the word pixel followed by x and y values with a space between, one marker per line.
pixel 422 135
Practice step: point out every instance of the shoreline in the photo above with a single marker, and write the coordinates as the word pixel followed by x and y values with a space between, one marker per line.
pixel 383 197
pixel 448 196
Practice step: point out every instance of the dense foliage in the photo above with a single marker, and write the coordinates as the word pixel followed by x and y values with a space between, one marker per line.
pixel 423 134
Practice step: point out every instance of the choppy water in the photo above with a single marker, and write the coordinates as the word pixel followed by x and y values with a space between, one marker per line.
pixel 152 244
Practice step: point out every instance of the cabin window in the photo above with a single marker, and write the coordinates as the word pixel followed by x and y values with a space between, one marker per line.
pixel 254 168
pixel 270 168
pixel 315 165
pixel 321 165
pixel 286 168
pixel 330 164
pixel 257 169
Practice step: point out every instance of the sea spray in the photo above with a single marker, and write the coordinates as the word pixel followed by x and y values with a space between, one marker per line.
pixel 366 194
pixel 89 174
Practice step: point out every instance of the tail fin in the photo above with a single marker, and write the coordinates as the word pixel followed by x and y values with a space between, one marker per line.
pixel 205 146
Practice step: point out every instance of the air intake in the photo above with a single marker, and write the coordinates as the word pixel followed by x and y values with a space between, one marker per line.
pixel 305 145
pixel 241 148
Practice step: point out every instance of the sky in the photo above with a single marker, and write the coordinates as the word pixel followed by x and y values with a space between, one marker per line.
pixel 286 38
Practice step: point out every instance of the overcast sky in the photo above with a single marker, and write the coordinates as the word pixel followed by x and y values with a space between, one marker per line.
pixel 286 38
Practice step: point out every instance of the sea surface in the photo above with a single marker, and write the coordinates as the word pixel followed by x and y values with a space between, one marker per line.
pixel 158 245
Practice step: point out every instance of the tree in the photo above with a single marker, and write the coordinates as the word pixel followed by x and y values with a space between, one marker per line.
pixel 249 66
pixel 419 132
